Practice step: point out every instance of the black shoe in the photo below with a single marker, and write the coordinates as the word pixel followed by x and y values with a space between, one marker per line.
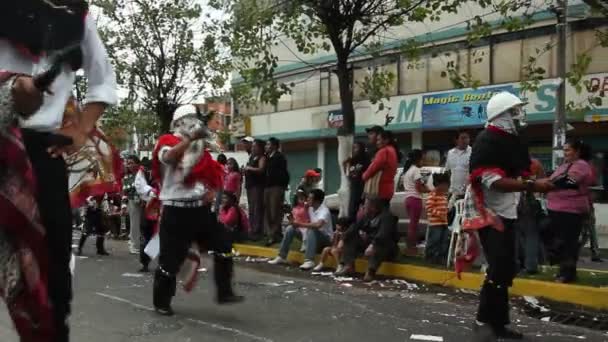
pixel 231 299
pixel 508 334
pixel 104 253
pixel 144 269
pixel 596 258
pixel 483 333
pixel 168 311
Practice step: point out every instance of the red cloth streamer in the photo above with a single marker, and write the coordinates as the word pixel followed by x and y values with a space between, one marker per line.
pixel 471 252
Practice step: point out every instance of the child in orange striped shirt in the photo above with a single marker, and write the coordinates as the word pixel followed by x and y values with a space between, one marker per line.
pixel 437 215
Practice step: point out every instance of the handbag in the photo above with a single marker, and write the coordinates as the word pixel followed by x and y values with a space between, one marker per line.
pixel 372 186
pixel 565 182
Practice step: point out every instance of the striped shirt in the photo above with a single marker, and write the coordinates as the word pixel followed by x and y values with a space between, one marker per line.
pixel 437 209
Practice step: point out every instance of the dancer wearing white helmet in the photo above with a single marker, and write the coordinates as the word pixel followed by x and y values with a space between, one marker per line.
pixel 499 160
pixel 188 176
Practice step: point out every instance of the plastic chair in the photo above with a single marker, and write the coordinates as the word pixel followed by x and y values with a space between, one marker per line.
pixel 456 228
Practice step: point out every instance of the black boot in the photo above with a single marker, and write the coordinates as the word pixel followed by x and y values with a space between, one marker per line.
pixel 162 292
pixel 101 250
pixel 222 272
pixel 83 239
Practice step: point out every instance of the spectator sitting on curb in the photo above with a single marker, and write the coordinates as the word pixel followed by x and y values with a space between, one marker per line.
pixel 308 182
pixel 318 232
pixel 376 234
pixel 233 217
pixel 334 251
pixel 300 214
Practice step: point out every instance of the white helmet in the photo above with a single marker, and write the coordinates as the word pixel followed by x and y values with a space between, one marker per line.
pixel 183 111
pixel 501 102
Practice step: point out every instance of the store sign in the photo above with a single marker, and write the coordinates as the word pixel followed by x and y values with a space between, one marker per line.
pixel 335 119
pixel 458 108
pixel 467 107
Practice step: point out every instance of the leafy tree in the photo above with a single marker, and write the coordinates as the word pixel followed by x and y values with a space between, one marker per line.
pixel 345 27
pixel 161 52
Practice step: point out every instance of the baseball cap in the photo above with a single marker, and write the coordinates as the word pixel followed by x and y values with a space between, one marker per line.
pixel 311 173
pixel 248 139
pixel 374 129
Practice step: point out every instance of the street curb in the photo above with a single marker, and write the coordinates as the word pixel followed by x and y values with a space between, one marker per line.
pixel 587 296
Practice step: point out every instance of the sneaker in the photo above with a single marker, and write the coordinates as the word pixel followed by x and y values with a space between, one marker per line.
pixel 277 261
pixel 303 249
pixel 345 271
pixel 319 267
pixel 596 258
pixel 307 265
pixel 165 311
pixel 483 333
pixel 340 268
pixel 369 276
pixel 508 334
pixel 231 299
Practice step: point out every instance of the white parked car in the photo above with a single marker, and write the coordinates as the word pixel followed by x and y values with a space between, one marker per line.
pixel 398 201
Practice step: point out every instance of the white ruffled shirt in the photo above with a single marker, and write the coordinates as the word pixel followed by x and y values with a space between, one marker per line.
pixel 97 69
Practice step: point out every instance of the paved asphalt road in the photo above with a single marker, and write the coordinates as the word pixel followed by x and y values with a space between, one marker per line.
pixel 113 304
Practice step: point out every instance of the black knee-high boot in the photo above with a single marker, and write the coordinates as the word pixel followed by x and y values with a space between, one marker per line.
pixel 222 272
pixel 164 289
pixel 101 249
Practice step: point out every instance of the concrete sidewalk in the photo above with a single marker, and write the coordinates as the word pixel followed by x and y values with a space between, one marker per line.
pixel 587 296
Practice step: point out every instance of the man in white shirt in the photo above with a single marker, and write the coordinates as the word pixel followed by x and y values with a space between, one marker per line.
pixel 318 234
pixel 28 42
pixel 457 164
pixel 186 213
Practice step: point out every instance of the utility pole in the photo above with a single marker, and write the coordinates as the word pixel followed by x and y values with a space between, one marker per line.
pixel 560 125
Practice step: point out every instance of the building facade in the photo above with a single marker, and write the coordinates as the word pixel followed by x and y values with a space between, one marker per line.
pixel 426 108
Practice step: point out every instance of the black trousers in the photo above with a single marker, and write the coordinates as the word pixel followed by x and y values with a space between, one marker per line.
pixel 565 247
pixel 56 214
pixel 147 229
pixel 354 245
pixel 355 200
pixel 499 249
pixel 179 228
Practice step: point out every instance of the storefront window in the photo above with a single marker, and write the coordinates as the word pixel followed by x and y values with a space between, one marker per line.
pixel 587 42
pixel 361 71
pixel 541 50
pixel 507 62
pixel 439 64
pixel 413 78
pixel 479 64
pixel 324 88
pixel 334 89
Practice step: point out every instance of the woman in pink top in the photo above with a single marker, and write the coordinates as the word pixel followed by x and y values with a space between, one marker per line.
pixel 568 205
pixel 300 214
pixel 233 217
pixel 232 181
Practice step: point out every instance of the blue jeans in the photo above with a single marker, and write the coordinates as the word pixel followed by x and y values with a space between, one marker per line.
pixel 315 240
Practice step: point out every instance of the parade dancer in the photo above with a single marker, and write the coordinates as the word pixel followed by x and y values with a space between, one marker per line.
pixel 498 161
pixel 134 203
pixel 188 176
pixel 148 191
pixel 93 224
pixel 30 34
